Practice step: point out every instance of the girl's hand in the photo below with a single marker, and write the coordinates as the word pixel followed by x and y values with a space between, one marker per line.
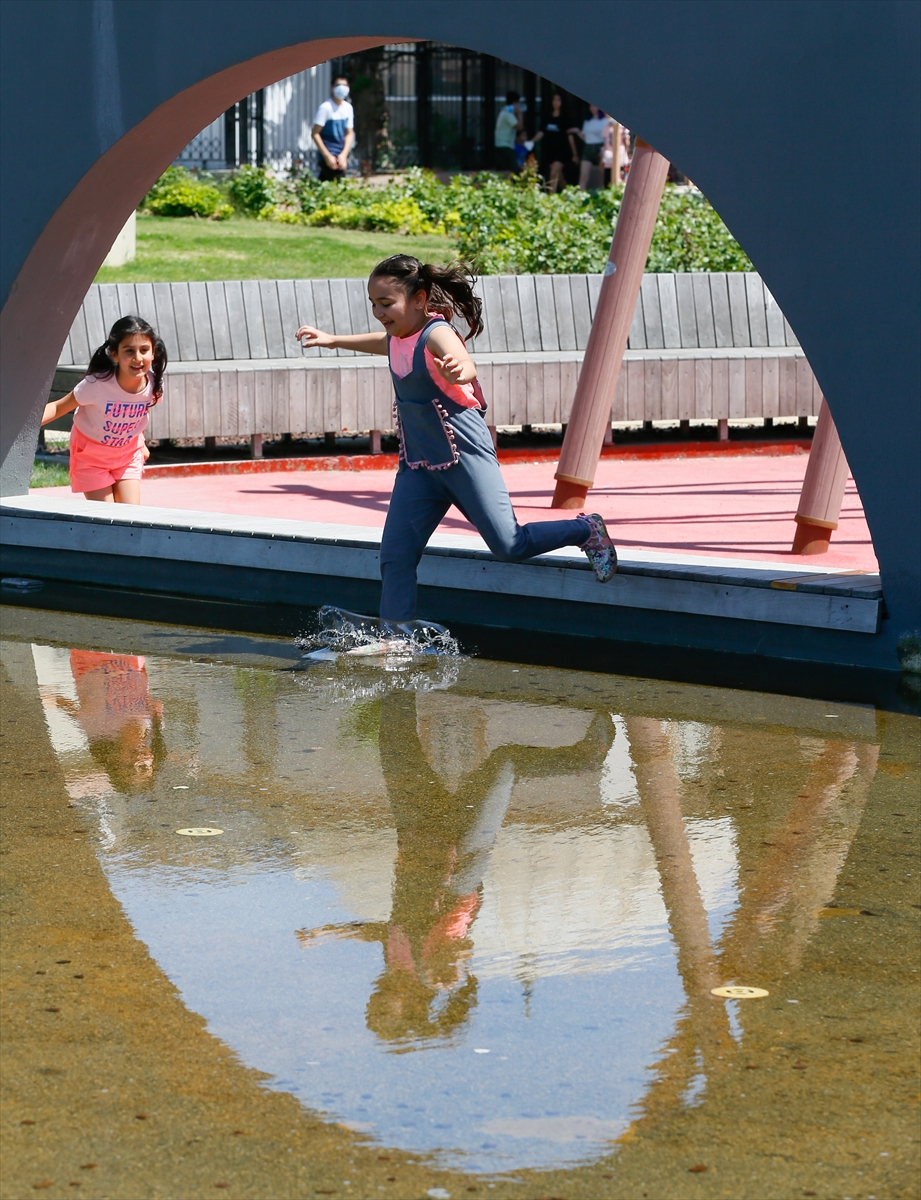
pixel 309 337
pixel 449 368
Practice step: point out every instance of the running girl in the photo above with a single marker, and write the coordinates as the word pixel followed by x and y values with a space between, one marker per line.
pixel 124 380
pixel 446 451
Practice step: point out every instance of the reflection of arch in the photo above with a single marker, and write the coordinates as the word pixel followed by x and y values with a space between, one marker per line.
pixel 765 113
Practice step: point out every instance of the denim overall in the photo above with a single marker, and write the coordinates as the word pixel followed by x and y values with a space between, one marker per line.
pixel 447 457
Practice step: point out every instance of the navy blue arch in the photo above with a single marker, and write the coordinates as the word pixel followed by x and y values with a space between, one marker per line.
pixel 800 120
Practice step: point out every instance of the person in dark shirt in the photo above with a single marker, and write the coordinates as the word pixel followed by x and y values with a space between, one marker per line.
pixel 556 145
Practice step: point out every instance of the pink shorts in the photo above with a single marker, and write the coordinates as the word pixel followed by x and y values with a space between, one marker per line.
pixel 94 466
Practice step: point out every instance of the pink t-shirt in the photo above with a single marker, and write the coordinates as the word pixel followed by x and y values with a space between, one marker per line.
pixel 401 360
pixel 108 414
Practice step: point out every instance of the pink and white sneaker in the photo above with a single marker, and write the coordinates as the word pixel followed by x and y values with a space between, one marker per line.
pixel 599 549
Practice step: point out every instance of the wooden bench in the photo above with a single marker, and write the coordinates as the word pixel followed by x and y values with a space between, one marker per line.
pixel 704 346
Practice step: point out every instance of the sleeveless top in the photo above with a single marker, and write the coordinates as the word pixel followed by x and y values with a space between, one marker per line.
pixel 424 416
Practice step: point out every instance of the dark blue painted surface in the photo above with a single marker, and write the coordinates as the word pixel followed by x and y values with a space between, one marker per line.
pixel 799 120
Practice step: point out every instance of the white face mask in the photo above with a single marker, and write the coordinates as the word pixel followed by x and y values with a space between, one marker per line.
pixel 340 91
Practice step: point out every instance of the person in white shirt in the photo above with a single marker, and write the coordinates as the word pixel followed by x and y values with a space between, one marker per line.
pixel 334 131
pixel 593 134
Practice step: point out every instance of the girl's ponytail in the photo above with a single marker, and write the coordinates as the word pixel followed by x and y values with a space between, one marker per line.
pixel 449 289
pixel 103 366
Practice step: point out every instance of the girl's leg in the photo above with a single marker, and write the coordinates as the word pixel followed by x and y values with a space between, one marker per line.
pixel 478 489
pixel 416 507
pixel 585 170
pixel 556 176
pixel 127 491
pixel 105 494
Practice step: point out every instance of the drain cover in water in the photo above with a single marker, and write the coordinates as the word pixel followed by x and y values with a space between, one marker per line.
pixel 739 993
pixel 200 831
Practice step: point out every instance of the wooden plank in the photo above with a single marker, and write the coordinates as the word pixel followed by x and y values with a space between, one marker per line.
pixel 263 402
pixel 255 329
pixel 305 314
pixel 499 392
pixel 652 390
pixel 287 307
pixel 703 388
pixel 637 337
pixel 359 306
pixel 175 424
pixel 348 399
pixel 246 403
pixel 230 417
pixel 79 342
pixel 687 316
pixel 636 390
pixel 703 310
pixel 527 307
pixel 236 319
pixel 65 356
pixel 313 389
pixel 297 398
pixel 719 383
pixel 96 330
pixel 271 321
pixel 323 307
pixel 220 324
pixel 511 313
pixel 619 405
pixel 669 388
pixel 331 380
pixel 552 383
pixel 210 404
pixel 581 313
pixel 687 386
pixel 145 303
pixel 736 388
pixel 754 388
pixel 108 300
pixel 194 405
pixel 770 387
pixel 787 387
pixel 342 317
pixel 562 304
pixel 492 306
pixel 546 313
pixel 185 331
pixel 757 317
pixel 789 335
pixel 201 323
pixel 738 308
pixel 594 291
pixel 652 313
pixel 127 300
pixel 517 406
pixel 804 387
pixel 569 381
pixel 774 318
pixel 166 321
pixel 668 307
pixel 364 379
pixel 281 412
pixel 722 318
pixel 481 344
pixel 816 396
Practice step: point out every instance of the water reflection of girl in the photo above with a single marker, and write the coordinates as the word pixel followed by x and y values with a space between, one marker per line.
pixel 122 723
pixel 444 838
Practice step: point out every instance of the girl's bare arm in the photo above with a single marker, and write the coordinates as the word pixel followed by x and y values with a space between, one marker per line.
pixel 450 355
pixel 57 408
pixel 364 343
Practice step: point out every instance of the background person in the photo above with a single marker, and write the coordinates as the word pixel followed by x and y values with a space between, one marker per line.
pixel 334 131
pixel 509 121
pixel 556 147
pixel 593 133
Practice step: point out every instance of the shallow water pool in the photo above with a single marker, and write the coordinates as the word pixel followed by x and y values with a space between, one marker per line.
pixel 471 916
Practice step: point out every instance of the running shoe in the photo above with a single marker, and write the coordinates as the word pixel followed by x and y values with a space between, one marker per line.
pixel 599 549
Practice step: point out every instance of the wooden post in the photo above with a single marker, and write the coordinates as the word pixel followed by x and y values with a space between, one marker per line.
pixel 375 436
pixel 620 287
pixel 823 488
pixel 255 446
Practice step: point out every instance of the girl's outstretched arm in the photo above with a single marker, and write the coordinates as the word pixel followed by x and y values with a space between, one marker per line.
pixel 364 343
pixel 450 356
pixel 58 408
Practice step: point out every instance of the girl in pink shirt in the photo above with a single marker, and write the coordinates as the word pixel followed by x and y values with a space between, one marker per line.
pixel 124 380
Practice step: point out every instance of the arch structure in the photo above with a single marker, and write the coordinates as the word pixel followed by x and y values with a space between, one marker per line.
pixel 799 119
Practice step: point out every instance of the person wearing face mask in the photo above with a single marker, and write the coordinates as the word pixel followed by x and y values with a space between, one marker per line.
pixel 334 131
pixel 508 124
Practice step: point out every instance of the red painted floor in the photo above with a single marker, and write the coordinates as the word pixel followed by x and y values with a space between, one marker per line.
pixel 728 506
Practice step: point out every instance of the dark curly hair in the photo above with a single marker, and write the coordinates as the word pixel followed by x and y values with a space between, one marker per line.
pixel 449 289
pixel 102 365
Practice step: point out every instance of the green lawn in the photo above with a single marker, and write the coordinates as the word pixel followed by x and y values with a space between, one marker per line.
pixel 175 249
pixel 45 474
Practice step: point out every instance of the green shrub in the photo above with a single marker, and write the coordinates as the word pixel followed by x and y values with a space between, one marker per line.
pixel 179 193
pixel 252 190
pixel 49 474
